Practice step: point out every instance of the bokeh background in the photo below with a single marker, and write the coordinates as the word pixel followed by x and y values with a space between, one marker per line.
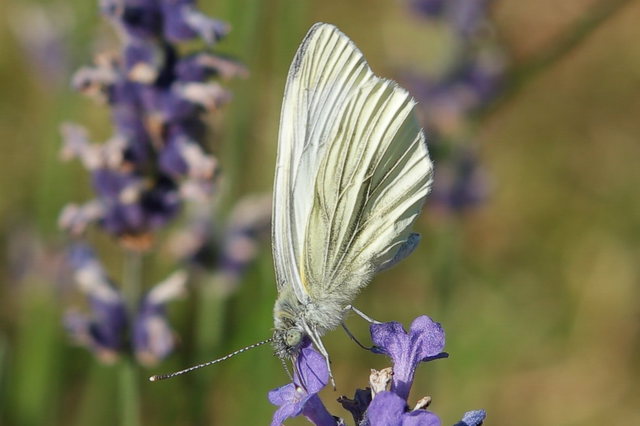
pixel 536 281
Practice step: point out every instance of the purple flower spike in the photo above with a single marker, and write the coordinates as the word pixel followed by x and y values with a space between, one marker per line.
pixel 103 331
pixel 183 22
pixel 388 409
pixel 424 342
pixel 472 418
pixel 300 397
pixel 430 8
pixel 153 338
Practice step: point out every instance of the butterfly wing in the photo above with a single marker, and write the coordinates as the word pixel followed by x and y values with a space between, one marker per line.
pixel 352 171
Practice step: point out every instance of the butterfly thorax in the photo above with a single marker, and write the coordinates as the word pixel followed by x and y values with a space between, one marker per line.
pixel 288 328
pixel 294 320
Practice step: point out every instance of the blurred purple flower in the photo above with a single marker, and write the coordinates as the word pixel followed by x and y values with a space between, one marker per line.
pixel 300 397
pixel 157 100
pixel 464 16
pixel 449 102
pixel 424 342
pixel 153 338
pixel 106 331
pixel 461 183
pixel 229 248
pixel 183 22
pixel 431 8
pixel 42 31
pixel 30 259
pixel 103 332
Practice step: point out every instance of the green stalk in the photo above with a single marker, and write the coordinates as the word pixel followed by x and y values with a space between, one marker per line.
pixel 128 372
pixel 210 324
pixel 558 48
pixel 129 393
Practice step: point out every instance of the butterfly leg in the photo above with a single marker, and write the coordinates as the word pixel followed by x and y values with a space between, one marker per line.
pixel 315 338
pixel 296 373
pixel 344 326
pixel 361 314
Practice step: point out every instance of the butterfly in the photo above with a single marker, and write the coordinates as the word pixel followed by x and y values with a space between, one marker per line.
pixel 352 174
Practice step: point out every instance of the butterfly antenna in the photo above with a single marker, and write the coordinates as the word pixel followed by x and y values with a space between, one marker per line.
pixel 159 377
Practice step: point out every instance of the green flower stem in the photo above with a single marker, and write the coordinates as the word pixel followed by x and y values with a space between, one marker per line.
pixel 129 393
pixel 128 371
pixel 210 323
pixel 132 279
pixel 559 48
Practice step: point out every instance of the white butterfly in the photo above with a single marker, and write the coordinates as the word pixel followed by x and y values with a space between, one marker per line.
pixel 352 174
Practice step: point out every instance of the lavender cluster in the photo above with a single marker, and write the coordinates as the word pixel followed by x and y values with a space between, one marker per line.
pixel 450 101
pixel 154 163
pixel 156 158
pixel 385 402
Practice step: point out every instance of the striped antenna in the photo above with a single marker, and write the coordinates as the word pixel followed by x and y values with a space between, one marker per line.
pixel 215 361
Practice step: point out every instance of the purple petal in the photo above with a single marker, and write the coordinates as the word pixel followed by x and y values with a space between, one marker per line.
pixel 317 413
pixel 171 159
pixel 312 368
pixel 105 328
pixel 282 395
pixel 138 18
pixel 430 8
pixel 424 341
pixel 152 337
pixel 310 376
pixel 183 22
pixel 472 418
pixel 467 15
pixel 386 409
pixel 420 418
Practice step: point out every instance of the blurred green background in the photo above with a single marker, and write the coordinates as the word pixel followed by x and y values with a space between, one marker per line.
pixel 537 288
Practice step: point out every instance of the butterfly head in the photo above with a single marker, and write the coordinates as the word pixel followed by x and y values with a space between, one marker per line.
pixel 287 340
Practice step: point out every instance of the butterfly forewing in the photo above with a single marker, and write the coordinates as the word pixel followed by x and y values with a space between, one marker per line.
pixel 326 71
pixel 352 172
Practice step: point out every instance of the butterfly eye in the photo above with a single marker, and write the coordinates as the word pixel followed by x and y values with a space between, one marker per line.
pixel 293 337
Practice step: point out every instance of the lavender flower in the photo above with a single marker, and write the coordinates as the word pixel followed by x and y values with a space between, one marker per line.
pixel 465 16
pixel 156 159
pixel 424 342
pixel 385 402
pixel 155 162
pixel 300 397
pixel 153 339
pixel 103 332
pixel 389 409
pixel 106 332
